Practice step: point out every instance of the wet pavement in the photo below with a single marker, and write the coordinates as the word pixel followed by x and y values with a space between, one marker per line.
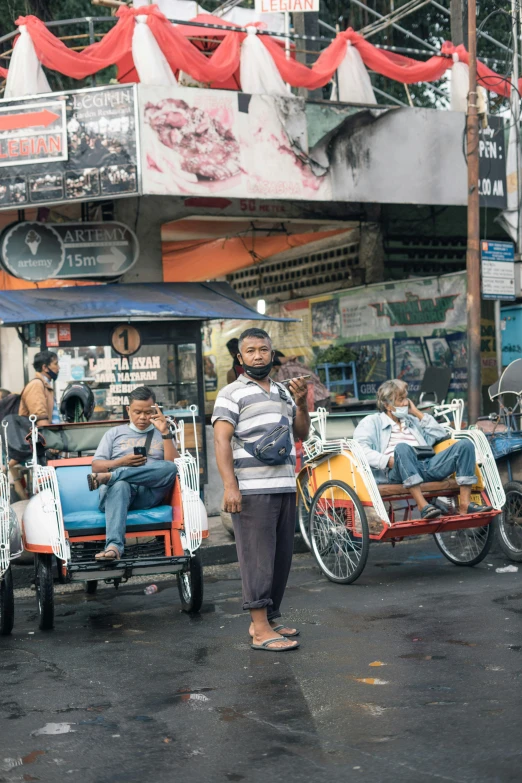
pixel 411 674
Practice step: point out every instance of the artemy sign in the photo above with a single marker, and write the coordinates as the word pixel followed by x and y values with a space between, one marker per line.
pixel 33 133
pixel 38 251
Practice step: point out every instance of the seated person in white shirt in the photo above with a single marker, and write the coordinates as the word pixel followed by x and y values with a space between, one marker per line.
pixel 389 439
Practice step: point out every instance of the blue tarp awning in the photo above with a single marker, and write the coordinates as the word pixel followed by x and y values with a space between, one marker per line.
pixel 179 301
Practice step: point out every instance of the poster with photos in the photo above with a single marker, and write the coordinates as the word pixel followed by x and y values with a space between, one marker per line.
pixel 102 159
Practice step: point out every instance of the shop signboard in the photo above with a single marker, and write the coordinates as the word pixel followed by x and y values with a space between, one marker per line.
pixel 33 133
pixel 42 251
pixel 77 146
pixel 492 164
pixel 389 329
pixel 498 270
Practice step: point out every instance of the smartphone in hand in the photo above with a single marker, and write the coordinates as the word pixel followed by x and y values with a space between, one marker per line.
pixel 139 451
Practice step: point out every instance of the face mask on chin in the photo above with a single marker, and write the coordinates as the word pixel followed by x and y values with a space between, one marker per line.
pixel 137 429
pixel 401 412
pixel 258 373
pixel 51 374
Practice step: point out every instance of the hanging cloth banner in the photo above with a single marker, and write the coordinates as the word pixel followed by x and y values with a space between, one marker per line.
pixel 115 48
pixel 25 76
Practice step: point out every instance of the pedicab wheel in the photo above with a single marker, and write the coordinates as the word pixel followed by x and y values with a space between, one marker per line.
pixel 6 603
pixel 45 591
pixel 509 523
pixel 466 547
pixel 303 515
pixel 339 532
pixel 91 586
pixel 190 585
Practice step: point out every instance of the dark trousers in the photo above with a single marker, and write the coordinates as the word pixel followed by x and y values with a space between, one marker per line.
pixel 264 532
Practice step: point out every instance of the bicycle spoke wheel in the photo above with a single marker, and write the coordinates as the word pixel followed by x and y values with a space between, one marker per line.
pixel 467 546
pixel 509 524
pixel 339 532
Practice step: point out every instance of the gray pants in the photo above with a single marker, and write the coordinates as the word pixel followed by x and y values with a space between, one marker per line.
pixel 264 532
pixel 133 488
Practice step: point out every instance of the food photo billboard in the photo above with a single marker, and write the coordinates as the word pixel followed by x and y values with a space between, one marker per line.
pixel 203 142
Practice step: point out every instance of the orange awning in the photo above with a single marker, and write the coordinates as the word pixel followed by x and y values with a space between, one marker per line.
pixel 193 261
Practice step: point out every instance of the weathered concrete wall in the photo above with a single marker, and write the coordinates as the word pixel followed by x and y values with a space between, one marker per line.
pixel 12 368
pixel 401 156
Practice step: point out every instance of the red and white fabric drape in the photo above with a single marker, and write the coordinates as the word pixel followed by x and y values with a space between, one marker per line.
pixel 146 47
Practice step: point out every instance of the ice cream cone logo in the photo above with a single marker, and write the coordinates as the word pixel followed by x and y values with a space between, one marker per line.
pixel 32 240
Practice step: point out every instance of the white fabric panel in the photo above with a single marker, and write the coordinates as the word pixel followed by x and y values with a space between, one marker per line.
pixel 354 81
pixel 25 75
pixel 184 10
pixel 150 62
pixel 243 16
pixel 258 72
pixel 459 87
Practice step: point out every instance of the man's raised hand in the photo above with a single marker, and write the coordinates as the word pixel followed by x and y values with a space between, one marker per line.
pixel 159 420
pixel 299 389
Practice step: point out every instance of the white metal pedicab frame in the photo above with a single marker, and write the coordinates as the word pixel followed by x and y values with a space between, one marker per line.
pixel 45 534
pixel 10 540
pixel 341 508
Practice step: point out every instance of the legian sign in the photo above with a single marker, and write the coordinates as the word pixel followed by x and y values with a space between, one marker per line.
pixel 280 6
pixel 492 164
pixel 33 133
pixel 498 270
pixel 39 251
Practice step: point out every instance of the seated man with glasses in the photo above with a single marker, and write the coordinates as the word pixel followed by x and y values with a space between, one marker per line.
pixel 392 441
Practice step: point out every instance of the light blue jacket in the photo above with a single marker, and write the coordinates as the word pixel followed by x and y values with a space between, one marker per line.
pixel 374 433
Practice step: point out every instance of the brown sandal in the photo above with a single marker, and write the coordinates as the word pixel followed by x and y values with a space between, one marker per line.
pixel 92 481
pixel 111 553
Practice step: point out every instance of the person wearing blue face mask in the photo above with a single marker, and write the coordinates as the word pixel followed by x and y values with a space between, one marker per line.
pixel 133 467
pixel 391 440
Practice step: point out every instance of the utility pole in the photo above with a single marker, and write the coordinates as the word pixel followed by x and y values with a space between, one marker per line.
pixel 459 22
pixel 473 303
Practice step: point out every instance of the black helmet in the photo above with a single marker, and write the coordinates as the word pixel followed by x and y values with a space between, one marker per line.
pixel 77 403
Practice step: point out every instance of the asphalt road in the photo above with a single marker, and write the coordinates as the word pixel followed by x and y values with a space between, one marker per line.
pixel 146 694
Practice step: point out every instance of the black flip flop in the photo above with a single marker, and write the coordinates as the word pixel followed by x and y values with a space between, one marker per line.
pixel 430 512
pixel 264 645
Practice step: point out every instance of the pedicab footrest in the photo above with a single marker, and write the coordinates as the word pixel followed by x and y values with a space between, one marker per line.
pixel 428 488
pixel 128 563
pixel 85 551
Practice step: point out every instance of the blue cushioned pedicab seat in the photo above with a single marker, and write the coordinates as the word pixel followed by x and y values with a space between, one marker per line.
pixel 80 507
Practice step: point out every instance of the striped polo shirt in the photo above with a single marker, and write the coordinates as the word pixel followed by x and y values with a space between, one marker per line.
pixel 254 412
pixel 400 435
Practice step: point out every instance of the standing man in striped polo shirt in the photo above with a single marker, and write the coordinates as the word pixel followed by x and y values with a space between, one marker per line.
pixel 260 496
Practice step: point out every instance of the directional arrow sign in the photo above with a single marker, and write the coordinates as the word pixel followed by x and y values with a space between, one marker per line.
pixel 32 119
pixel 37 251
pixel 33 133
